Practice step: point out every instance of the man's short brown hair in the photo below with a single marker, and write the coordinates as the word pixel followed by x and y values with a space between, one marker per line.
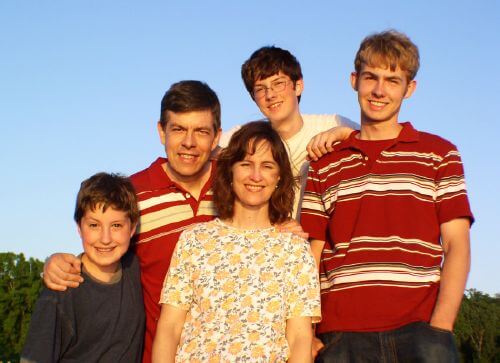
pixel 389 49
pixel 268 61
pixel 189 96
pixel 107 190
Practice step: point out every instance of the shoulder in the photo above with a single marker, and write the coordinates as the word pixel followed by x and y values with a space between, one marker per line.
pixel 142 179
pixel 327 121
pixel 435 142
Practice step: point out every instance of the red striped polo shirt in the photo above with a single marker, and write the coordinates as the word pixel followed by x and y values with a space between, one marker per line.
pixel 380 218
pixel 166 210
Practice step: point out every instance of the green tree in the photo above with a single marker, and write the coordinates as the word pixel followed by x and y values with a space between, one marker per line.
pixel 20 285
pixel 478 327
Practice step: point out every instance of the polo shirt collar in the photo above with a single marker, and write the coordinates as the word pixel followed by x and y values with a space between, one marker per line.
pixel 407 134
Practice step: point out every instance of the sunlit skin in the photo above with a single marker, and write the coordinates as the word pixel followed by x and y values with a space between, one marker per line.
pixel 105 238
pixel 281 108
pixel 189 138
pixel 254 181
pixel 380 95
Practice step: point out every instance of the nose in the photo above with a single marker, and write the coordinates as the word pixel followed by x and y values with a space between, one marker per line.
pixel 188 141
pixel 256 174
pixel 378 89
pixel 106 235
pixel 270 93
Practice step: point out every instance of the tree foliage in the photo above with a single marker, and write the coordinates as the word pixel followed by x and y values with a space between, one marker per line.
pixel 20 285
pixel 478 327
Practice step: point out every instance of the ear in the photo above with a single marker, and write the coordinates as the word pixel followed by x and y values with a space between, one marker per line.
pixel 215 143
pixel 132 230
pixel 412 86
pixel 354 81
pixel 299 87
pixel 79 229
pixel 161 133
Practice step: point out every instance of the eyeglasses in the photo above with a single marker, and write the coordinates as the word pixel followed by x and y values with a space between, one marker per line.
pixel 276 86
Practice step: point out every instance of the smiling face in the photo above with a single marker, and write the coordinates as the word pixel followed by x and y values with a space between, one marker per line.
pixel 255 179
pixel 278 106
pixel 106 238
pixel 381 93
pixel 189 138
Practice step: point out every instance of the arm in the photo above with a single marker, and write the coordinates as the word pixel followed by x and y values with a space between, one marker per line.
pixel 62 270
pixel 317 249
pixel 168 333
pixel 299 337
pixel 323 142
pixel 456 247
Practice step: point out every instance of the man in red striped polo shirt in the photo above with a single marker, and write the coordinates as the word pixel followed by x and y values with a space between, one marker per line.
pixel 382 210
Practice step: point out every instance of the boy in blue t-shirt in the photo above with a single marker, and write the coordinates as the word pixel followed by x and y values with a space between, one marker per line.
pixel 102 320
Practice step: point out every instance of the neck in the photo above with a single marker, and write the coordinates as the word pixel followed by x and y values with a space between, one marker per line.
pixel 246 217
pixel 193 184
pixel 289 127
pixel 371 130
pixel 101 273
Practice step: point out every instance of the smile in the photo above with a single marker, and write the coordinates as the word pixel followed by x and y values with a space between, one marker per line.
pixel 254 188
pixel 275 105
pixel 187 156
pixel 104 249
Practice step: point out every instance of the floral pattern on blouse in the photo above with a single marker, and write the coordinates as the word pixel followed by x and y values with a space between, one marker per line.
pixel 239 288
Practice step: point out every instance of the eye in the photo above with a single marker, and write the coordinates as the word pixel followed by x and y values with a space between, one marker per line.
pixel 116 225
pixel 92 225
pixel 204 132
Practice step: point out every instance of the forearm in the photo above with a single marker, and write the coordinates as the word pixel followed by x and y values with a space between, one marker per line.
pixel 317 250
pixel 453 279
pixel 299 337
pixel 168 333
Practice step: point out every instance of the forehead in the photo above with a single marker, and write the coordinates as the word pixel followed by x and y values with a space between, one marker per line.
pixel 260 151
pixel 99 212
pixel 279 75
pixel 193 119
pixel 383 71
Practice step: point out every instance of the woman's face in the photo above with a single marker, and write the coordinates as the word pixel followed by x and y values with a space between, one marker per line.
pixel 255 178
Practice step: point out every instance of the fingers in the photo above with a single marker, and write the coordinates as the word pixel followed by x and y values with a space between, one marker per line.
pixel 294 227
pixel 317 345
pixel 62 271
pixel 323 142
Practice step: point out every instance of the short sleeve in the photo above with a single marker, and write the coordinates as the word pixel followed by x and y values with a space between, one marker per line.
pixel 314 213
pixel 451 194
pixel 50 331
pixel 177 287
pixel 303 294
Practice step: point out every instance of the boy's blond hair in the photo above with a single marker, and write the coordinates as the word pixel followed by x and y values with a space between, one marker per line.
pixel 388 49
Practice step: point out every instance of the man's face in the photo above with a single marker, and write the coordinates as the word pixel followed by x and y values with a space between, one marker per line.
pixel 189 138
pixel 276 97
pixel 381 92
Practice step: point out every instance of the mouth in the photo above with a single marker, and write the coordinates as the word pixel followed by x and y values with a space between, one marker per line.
pixel 104 249
pixel 377 104
pixel 275 105
pixel 187 157
pixel 254 188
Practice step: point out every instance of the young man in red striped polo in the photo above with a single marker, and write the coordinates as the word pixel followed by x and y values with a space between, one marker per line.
pixel 388 218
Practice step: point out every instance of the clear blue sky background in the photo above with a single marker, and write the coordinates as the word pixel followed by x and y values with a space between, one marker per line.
pixel 81 84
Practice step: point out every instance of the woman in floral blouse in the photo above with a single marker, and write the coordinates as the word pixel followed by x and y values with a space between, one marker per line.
pixel 238 290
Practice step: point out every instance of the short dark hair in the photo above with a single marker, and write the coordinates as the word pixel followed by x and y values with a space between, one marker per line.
pixel 390 49
pixel 268 61
pixel 243 142
pixel 189 96
pixel 109 190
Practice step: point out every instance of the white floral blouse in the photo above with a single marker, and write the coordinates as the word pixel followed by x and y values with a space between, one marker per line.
pixel 239 288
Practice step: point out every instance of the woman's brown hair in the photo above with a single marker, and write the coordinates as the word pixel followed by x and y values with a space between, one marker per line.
pixel 243 142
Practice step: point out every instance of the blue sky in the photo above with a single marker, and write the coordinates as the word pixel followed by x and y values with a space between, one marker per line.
pixel 81 84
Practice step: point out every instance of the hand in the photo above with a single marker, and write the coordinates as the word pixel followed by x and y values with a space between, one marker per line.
pixel 323 142
pixel 62 270
pixel 317 345
pixel 292 226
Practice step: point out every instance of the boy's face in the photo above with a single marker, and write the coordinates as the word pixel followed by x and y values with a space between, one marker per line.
pixel 381 92
pixel 189 138
pixel 276 97
pixel 105 237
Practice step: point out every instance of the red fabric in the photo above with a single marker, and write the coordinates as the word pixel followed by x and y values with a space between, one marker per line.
pixel 154 248
pixel 381 223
